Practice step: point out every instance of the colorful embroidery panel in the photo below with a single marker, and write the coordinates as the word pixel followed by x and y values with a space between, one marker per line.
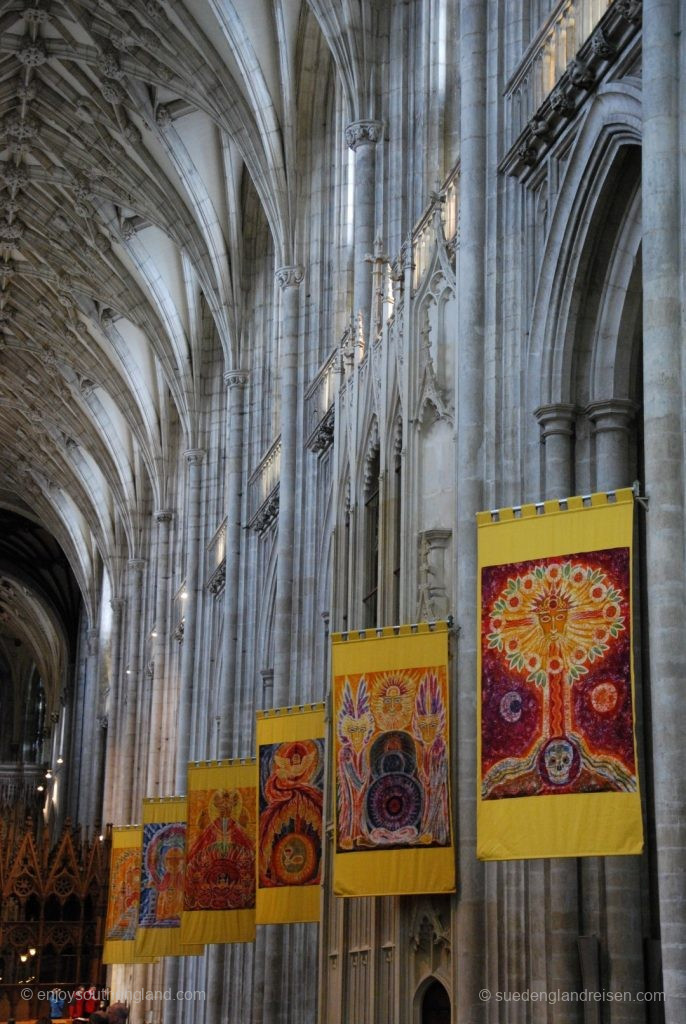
pixel 220 868
pixel 391 751
pixel 162 878
pixel 556 676
pixel 291 800
pixel 125 885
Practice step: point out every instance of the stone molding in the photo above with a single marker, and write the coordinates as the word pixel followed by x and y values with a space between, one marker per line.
pixel 217 581
pixel 584 73
pixel 163 515
pixel 236 378
pixel 611 414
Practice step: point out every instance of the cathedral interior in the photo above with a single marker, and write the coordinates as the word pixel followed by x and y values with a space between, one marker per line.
pixel 290 290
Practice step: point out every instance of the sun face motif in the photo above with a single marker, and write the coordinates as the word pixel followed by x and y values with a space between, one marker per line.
pixel 392 704
pixel 555 620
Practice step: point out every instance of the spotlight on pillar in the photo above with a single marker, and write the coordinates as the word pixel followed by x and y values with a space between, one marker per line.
pixel 101 838
pixel 48 774
pixel 184 595
pixel 60 760
pixel 23 957
pixel 40 789
pixel 128 671
pixel 32 951
pixel 154 633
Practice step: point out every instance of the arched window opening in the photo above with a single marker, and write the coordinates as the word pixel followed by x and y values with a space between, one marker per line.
pixel 371 541
pixel 397 532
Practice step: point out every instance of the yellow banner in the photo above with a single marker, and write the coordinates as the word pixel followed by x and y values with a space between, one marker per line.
pixel 123 896
pixel 290 761
pixel 219 896
pixel 162 880
pixel 391 762
pixel 557 764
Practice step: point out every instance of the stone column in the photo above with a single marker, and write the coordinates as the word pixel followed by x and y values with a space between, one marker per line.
pixel 195 458
pixel 289 279
pixel 612 421
pixel 95 815
pixel 269 1005
pixel 132 681
pixel 111 748
pixel 232 728
pixel 557 435
pixel 163 518
pixel 87 777
pixel 469 939
pixel 362 137
pixel 562 897
pixel 664 67
pixel 234 737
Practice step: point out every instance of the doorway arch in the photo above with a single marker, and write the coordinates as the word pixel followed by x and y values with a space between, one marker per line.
pixel 435 1004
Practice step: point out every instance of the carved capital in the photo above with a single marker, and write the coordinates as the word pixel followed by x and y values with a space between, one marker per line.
pixel 363 133
pixel 556 419
pixel 289 277
pixel 194 456
pixel 163 515
pixel 611 414
pixel 136 564
pixel 236 378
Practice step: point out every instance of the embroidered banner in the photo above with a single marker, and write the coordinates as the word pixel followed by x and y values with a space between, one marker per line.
pixel 162 879
pixel 123 896
pixel 556 747
pixel 219 896
pixel 391 762
pixel 290 759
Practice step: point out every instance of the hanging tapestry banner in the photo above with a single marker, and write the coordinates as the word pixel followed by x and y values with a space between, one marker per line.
pixel 556 747
pixel 290 761
pixel 123 897
pixel 162 879
pixel 391 762
pixel 219 895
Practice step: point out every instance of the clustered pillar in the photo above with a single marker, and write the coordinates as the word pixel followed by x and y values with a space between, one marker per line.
pixel 362 137
pixel 289 280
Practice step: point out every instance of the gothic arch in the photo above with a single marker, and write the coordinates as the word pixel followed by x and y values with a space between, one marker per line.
pixel 606 145
pixel 432 1002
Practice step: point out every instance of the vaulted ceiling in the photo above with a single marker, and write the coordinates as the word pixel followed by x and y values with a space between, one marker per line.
pixel 126 130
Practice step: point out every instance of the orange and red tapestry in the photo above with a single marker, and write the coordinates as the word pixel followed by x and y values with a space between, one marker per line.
pixel 555 683
pixel 219 892
pixel 290 746
pixel 124 896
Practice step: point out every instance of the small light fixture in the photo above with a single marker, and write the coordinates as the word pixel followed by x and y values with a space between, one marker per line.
pixel 154 633
pixel 184 595
pixel 128 671
pixel 32 951
pixel 101 838
pixel 48 774
pixel 40 788
pixel 23 957
pixel 60 760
